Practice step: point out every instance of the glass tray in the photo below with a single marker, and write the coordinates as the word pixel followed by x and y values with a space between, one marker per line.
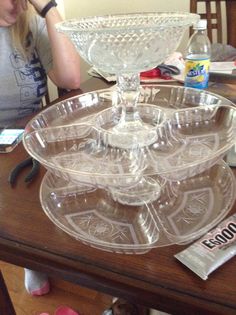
pixel 184 211
pixel 191 130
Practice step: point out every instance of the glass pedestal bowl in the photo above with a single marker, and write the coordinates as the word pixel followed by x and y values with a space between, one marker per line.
pixel 126 45
pixel 156 193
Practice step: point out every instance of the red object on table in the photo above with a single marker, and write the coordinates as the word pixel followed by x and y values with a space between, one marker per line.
pixel 155 73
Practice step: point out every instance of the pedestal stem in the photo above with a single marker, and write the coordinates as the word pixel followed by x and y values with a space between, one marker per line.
pixel 128 87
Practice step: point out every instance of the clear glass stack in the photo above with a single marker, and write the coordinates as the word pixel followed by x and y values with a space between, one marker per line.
pixel 134 167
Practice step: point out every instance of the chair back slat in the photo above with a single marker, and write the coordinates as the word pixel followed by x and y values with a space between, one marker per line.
pixel 215 12
pixel 219 22
pixel 209 19
pixel 212 12
pixel 46 99
pixel 231 22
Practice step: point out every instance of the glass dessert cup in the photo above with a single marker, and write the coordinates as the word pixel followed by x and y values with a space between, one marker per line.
pixel 126 45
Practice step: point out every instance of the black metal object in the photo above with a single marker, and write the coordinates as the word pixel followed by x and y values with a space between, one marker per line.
pixel 35 166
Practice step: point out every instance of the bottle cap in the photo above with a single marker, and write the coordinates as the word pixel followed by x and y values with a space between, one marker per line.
pixel 201 25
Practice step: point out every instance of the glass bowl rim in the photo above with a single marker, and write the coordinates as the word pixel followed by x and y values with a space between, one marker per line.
pixel 63 26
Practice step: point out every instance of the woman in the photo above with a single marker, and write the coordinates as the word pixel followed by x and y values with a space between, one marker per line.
pixel 30 50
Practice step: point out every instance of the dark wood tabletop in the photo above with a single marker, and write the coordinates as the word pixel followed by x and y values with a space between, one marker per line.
pixel 155 279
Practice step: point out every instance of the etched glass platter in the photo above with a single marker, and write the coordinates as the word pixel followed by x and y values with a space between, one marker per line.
pixel 183 211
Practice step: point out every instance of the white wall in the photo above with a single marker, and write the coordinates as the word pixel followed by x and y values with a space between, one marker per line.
pixel 82 8
pixel 75 8
pixel 61 7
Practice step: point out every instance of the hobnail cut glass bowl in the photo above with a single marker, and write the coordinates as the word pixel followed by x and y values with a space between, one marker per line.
pixel 126 45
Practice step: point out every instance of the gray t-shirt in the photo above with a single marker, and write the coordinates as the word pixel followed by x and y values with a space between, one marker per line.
pixel 23 83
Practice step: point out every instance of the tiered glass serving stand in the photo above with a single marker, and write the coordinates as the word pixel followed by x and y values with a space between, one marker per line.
pixel 133 168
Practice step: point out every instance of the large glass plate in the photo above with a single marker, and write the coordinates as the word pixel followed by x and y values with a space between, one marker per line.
pixel 183 211
pixel 191 131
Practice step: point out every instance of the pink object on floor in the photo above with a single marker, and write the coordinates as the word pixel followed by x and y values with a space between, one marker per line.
pixel 65 310
pixel 44 314
pixel 43 290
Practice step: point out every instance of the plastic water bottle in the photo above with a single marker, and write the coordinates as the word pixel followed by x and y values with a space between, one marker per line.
pixel 197 62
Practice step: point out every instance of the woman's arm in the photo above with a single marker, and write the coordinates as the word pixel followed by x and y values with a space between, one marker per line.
pixel 65 72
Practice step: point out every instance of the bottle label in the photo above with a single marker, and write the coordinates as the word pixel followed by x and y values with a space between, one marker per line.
pixel 197 73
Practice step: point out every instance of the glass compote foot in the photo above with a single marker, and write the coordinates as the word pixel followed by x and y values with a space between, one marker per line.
pixel 126 45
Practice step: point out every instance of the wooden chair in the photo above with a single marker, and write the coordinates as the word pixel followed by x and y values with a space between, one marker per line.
pixel 60 92
pixel 215 12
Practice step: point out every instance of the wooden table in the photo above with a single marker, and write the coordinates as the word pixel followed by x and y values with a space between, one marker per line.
pixel 156 279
